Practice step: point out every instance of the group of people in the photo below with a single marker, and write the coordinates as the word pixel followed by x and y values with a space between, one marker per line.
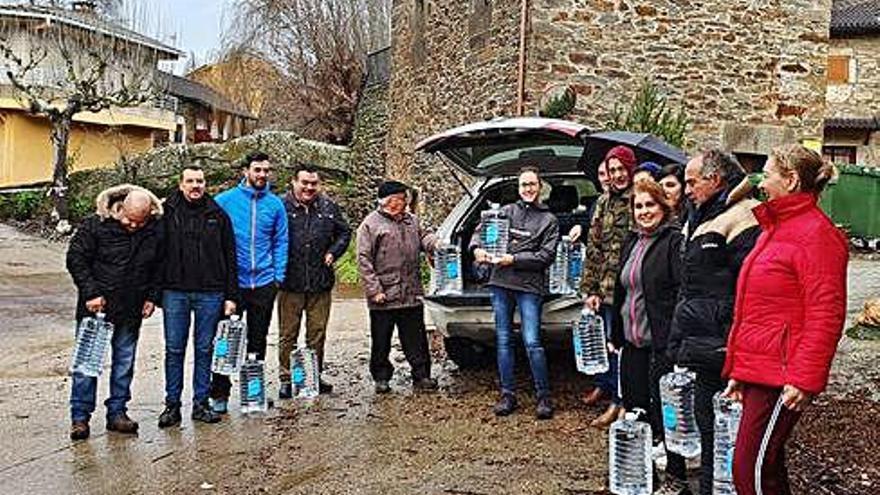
pixel 688 270
pixel 684 267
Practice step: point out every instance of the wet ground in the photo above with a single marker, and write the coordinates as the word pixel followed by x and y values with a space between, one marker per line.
pixel 350 441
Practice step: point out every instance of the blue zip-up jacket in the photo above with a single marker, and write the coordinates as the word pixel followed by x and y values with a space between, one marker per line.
pixel 260 224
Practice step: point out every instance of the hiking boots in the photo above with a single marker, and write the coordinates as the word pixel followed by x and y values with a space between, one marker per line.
pixel 609 416
pixel 425 385
pixel 505 406
pixel 382 387
pixel 285 391
pixel 170 416
pixel 544 409
pixel 202 412
pixel 324 387
pixel 122 424
pixel 79 430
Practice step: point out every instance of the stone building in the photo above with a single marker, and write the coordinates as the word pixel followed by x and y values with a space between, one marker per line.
pixel 853 92
pixel 750 74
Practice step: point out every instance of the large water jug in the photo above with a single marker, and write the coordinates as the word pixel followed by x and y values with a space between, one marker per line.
pixel 629 456
pixel 230 345
pixel 679 422
pixel 575 266
pixel 495 231
pixel 727 415
pixel 252 385
pixel 557 273
pixel 92 341
pixel 304 373
pixel 588 339
pixel 447 269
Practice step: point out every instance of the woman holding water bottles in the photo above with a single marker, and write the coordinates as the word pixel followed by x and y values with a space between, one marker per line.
pixel 789 315
pixel 644 300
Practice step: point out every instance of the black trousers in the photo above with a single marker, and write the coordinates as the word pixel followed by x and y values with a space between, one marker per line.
pixel 257 305
pixel 706 386
pixel 410 323
pixel 640 373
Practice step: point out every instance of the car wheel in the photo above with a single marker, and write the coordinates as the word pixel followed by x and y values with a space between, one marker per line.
pixel 468 354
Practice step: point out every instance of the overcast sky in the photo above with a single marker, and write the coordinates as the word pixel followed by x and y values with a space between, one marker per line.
pixel 197 25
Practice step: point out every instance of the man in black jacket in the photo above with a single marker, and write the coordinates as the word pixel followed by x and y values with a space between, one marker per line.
pixel 318 236
pixel 720 232
pixel 199 279
pixel 113 259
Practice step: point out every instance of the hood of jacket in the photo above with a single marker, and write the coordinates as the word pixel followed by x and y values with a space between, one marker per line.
pixel 108 203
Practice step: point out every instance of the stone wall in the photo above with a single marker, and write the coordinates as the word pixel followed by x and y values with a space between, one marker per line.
pixel 453 62
pixel 859 98
pixel 737 66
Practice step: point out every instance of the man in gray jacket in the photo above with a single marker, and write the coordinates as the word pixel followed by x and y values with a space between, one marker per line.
pixel 389 241
pixel 518 280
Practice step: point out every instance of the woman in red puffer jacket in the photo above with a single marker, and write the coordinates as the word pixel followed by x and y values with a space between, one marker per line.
pixel 790 310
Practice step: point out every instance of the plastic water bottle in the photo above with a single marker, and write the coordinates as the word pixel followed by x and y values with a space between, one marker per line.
pixel 588 339
pixel 679 422
pixel 252 383
pixel 629 456
pixel 727 415
pixel 230 346
pixel 558 271
pixel 447 269
pixel 575 266
pixel 495 232
pixel 92 341
pixel 304 373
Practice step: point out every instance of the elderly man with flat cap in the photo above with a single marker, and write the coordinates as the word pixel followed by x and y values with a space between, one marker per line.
pixel 389 242
pixel 113 259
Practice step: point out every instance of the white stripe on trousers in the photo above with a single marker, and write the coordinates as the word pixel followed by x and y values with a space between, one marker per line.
pixel 759 462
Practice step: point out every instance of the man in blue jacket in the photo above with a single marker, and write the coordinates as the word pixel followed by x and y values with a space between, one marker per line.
pixel 260 225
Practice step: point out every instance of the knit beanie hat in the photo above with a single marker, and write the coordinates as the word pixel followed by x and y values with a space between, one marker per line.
pixel 625 155
pixel 390 187
pixel 650 167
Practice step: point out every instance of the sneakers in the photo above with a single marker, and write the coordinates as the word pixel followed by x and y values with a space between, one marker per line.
pixel 544 409
pixel 170 416
pixel 505 405
pixel 382 387
pixel 220 406
pixel 122 424
pixel 673 486
pixel 324 387
pixel 203 413
pixel 285 391
pixel 425 385
pixel 79 430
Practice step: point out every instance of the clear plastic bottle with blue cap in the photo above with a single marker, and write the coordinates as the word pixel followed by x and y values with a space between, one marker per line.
pixel 557 273
pixel 677 404
pixel 447 270
pixel 230 346
pixel 727 417
pixel 93 336
pixel 304 373
pixel 589 343
pixel 252 385
pixel 495 232
pixel 630 471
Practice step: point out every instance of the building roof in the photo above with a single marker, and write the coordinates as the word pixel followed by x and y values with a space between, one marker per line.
pixel 853 123
pixel 187 89
pixel 855 17
pixel 87 21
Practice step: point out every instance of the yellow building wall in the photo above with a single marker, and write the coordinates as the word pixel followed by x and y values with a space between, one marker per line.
pixel 26 149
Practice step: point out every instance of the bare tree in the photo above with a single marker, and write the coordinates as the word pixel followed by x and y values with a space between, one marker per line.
pixel 59 70
pixel 318 48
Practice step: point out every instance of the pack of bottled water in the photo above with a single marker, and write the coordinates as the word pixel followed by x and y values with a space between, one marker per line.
pixel 588 340
pixel 252 385
pixel 92 342
pixel 304 373
pixel 495 233
pixel 679 421
pixel 575 266
pixel 629 456
pixel 557 273
pixel 727 416
pixel 230 344
pixel 447 270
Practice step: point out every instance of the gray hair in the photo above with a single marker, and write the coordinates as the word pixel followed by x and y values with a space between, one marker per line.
pixel 723 164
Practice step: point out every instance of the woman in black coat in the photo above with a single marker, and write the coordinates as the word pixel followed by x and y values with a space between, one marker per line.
pixel 644 298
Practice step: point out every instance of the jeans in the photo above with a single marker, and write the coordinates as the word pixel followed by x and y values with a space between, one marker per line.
pixel 84 389
pixel 410 324
pixel 177 310
pixel 258 304
pixel 608 381
pixel 504 301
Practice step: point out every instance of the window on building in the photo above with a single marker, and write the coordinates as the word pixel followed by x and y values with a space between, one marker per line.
pixel 838 69
pixel 840 154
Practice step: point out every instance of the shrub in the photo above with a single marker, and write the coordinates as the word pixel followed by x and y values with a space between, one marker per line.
pixel 22 205
pixel 648 112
